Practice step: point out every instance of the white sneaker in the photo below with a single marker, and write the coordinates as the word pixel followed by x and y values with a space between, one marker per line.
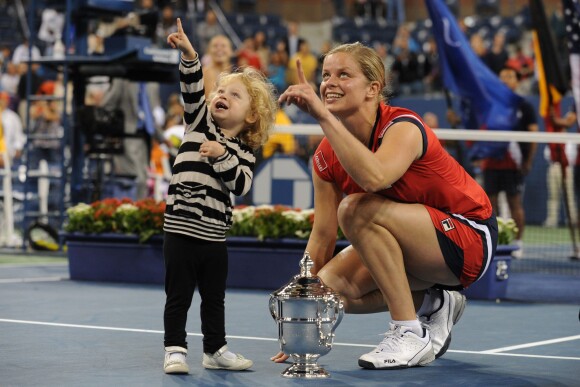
pixel 175 361
pixel 441 321
pixel 401 348
pixel 225 360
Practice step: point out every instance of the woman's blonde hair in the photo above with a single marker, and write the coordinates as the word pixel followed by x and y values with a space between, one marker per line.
pixel 263 104
pixel 369 62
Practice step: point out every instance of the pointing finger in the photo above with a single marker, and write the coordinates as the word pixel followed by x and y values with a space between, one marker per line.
pixel 179 27
pixel 301 77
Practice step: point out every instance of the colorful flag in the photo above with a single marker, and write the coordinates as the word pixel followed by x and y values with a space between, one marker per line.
pixel 551 81
pixel 491 104
pixel 572 19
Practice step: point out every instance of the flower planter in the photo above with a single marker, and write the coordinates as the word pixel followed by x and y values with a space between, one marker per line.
pixel 253 264
pixel 493 284
pixel 268 264
pixel 115 258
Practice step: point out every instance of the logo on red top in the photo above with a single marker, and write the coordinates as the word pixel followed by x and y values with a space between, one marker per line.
pixel 319 161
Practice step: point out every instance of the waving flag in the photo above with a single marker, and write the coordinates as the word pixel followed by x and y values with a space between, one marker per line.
pixel 492 105
pixel 551 81
pixel 572 19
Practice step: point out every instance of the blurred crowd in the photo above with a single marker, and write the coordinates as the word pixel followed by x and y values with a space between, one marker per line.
pixel 410 57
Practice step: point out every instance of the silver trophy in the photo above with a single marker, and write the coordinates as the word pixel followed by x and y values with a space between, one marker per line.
pixel 307 313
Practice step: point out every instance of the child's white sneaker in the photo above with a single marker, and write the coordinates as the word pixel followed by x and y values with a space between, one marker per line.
pixel 225 360
pixel 175 360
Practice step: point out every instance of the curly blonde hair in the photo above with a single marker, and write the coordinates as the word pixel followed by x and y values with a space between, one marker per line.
pixel 263 104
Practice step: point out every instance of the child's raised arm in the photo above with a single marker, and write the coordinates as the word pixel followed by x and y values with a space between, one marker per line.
pixel 180 40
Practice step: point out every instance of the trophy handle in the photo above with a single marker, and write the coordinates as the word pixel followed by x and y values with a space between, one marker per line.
pixel 273 308
pixel 339 313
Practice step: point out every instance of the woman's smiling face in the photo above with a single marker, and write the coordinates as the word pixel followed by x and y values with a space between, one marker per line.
pixel 343 86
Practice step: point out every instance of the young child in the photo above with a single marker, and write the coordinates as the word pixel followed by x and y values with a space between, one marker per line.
pixel 215 159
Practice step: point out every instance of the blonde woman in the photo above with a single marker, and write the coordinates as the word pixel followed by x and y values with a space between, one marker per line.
pixel 418 223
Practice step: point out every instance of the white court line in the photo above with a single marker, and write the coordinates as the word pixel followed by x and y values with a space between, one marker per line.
pixel 98 327
pixel 534 344
pixel 31 279
pixel 27 265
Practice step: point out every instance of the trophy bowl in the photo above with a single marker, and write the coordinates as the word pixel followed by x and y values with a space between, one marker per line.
pixel 307 313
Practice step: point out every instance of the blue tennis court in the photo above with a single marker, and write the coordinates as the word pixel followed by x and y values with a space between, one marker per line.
pixel 58 332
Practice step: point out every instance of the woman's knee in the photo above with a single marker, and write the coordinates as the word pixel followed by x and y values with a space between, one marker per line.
pixel 356 211
pixel 352 210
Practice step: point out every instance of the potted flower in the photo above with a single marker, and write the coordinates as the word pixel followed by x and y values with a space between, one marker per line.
pixel 266 243
pixel 121 240
pixel 116 240
pixel 142 218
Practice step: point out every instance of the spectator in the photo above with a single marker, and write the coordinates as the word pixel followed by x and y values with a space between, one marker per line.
pixel 9 79
pixel 51 27
pixel 309 64
pixel 174 111
pixel 497 57
pixel 262 49
pixel 277 71
pixel 293 40
pixel 45 118
pixel 432 121
pixel 140 127
pixel 283 143
pixel 5 57
pixel 478 46
pixel 407 71
pixel 524 65
pixel 282 49
pixel 382 50
pixel 219 54
pixel 207 29
pixel 507 172
pixel 404 41
pixel 431 71
pixel 148 16
pixel 247 55
pixel 11 132
pixel 22 89
pixel 165 26
pixel 556 171
pixel 22 51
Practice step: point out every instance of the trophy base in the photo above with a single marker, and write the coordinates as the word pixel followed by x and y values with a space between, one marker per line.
pixel 305 371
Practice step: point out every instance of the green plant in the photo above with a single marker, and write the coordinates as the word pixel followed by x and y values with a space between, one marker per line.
pixel 506 230
pixel 284 222
pixel 142 217
pixel 271 222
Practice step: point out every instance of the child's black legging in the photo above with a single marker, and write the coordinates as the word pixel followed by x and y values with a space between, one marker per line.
pixel 191 262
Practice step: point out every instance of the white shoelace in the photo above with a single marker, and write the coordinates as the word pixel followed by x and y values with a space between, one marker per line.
pixel 393 339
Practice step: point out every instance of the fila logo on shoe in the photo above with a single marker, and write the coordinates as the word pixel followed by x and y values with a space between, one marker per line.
pixel 390 361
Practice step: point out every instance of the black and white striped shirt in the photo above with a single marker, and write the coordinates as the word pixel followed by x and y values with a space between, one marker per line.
pixel 198 201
